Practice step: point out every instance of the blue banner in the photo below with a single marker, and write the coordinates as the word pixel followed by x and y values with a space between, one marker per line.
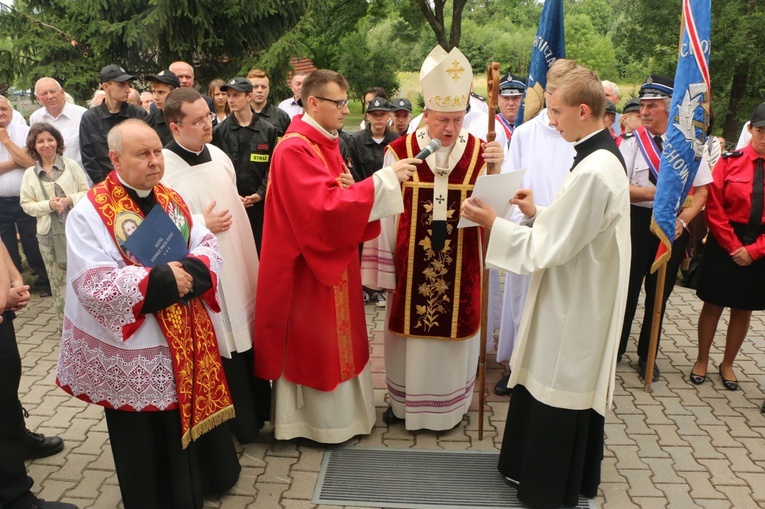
pixel 688 122
pixel 549 45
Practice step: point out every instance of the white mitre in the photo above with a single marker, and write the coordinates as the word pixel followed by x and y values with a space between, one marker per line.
pixel 446 79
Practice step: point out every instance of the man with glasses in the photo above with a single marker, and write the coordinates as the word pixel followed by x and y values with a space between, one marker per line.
pixel 205 177
pixel 249 141
pixel 311 334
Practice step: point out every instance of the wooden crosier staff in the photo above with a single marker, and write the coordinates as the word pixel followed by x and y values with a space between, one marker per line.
pixel 492 87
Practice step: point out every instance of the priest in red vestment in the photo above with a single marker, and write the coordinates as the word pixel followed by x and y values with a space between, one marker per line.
pixel 310 328
pixel 434 312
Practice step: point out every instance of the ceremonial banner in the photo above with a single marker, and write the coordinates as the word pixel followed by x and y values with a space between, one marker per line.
pixel 549 45
pixel 687 131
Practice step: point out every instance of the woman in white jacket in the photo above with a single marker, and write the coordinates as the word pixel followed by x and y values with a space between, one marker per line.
pixel 49 190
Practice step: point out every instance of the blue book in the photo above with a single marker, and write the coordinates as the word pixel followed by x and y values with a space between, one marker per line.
pixel 157 240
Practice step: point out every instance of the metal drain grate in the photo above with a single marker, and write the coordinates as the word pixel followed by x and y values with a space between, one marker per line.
pixel 415 478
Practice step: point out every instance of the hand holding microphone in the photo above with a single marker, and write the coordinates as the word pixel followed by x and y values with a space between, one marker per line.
pixel 432 147
pixel 405 167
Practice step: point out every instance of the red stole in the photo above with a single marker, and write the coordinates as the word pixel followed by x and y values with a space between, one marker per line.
pixel 203 397
pixel 438 293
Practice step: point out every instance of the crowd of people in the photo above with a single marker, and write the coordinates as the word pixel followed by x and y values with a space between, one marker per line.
pixel 276 226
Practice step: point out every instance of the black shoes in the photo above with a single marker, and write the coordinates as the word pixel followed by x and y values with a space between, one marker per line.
pixel 731 385
pixel 641 370
pixel 501 388
pixel 42 504
pixel 697 379
pixel 390 418
pixel 37 445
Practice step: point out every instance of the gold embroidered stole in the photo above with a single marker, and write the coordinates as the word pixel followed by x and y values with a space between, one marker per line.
pixel 203 396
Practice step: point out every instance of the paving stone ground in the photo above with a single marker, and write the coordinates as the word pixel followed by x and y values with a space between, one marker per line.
pixel 683 446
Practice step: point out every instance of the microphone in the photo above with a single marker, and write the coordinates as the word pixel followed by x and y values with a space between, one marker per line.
pixel 433 146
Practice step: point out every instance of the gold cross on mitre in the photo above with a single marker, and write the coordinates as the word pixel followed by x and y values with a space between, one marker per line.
pixel 455 70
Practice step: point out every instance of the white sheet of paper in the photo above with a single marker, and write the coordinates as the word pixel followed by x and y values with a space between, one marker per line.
pixel 497 191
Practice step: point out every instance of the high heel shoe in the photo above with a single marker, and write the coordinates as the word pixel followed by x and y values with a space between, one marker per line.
pixel 731 385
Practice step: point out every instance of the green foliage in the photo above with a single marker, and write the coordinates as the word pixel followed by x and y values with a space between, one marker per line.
pixel 648 33
pixel 366 66
pixel 588 47
pixel 599 13
pixel 498 41
pixel 73 39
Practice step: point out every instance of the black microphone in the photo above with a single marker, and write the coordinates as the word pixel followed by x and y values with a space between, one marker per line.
pixel 433 146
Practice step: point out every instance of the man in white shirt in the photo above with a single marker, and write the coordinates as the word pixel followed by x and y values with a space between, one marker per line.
pixel 60 114
pixel 642 152
pixel 13 161
pixel 291 105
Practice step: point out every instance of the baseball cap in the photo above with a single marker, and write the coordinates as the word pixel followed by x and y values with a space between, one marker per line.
pixel 378 104
pixel 167 77
pixel 114 72
pixel 758 116
pixel 399 104
pixel 631 105
pixel 239 84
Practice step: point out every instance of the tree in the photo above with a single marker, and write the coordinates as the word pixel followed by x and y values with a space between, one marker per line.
pixel 435 18
pixel 366 66
pixel 588 47
pixel 73 39
pixel 649 33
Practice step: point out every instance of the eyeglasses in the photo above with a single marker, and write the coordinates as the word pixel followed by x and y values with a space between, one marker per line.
pixel 340 103
pixel 202 121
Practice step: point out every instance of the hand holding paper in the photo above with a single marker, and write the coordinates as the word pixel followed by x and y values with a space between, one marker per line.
pixel 494 191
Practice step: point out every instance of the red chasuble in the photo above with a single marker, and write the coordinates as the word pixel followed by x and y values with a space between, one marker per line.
pixel 438 293
pixel 309 319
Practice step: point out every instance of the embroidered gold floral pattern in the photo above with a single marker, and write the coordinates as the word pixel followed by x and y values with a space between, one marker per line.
pixel 435 289
pixel 449 100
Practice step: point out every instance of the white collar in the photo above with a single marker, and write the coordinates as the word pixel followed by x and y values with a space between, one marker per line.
pixel 140 192
pixel 308 119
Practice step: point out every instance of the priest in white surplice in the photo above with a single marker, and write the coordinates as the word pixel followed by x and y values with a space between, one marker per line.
pixel 564 360
pixel 204 175
pixel 547 157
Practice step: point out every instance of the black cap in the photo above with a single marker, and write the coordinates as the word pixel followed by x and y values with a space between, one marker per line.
pixel 114 72
pixel 510 85
pixel 239 84
pixel 378 104
pixel 657 87
pixel 758 116
pixel 610 107
pixel 399 104
pixel 167 77
pixel 632 105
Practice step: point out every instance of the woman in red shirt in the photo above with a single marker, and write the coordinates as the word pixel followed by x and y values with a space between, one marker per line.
pixel 733 267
